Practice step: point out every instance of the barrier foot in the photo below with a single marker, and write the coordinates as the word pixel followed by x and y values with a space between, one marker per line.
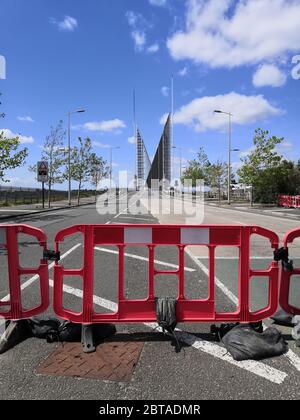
pixel 87 339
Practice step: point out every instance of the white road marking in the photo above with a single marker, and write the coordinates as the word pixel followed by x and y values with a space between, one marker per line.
pixel 138 257
pixel 267 372
pixel 293 358
pixel 135 218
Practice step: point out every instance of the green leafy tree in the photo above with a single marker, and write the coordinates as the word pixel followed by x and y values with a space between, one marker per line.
pixel 54 153
pixel 197 169
pixel 217 177
pixel 10 156
pixel 99 171
pixel 86 165
pixel 263 166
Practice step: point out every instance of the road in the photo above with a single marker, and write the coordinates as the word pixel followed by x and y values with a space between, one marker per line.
pixel 203 370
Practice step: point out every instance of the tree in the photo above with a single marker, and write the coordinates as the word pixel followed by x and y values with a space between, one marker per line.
pixel 263 166
pixel 10 157
pixel 55 154
pixel 217 176
pixel 99 171
pixel 197 169
pixel 84 164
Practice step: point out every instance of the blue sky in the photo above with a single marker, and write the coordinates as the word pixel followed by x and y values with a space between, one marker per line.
pixel 234 55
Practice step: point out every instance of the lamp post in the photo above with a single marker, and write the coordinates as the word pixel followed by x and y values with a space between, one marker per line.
pixel 229 151
pixel 111 163
pixel 79 111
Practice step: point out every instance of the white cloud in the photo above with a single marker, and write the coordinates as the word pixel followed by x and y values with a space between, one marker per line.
pixel 269 75
pixel 285 148
pixel 158 2
pixel 199 114
pixel 100 145
pixel 153 48
pixel 105 126
pixel 10 135
pixel 132 140
pixel 139 39
pixel 138 25
pixel 2 67
pixel 22 182
pixel 228 34
pixel 183 72
pixel 26 118
pixel 69 24
pixel 165 91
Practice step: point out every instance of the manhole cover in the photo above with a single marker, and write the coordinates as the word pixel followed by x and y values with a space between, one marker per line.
pixel 113 361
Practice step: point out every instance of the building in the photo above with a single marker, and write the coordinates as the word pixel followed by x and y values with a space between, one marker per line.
pixel 143 161
pixel 161 165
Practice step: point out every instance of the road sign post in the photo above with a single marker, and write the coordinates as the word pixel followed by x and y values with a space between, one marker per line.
pixel 43 176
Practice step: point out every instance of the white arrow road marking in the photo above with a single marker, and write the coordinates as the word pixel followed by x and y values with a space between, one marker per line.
pixel 293 358
pixel 138 257
pixel 258 368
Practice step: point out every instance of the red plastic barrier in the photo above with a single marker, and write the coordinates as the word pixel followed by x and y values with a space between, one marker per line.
pixel 151 237
pixel 9 243
pixel 286 278
pixel 289 201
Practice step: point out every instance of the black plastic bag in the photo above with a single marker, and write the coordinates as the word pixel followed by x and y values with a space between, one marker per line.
pixel 166 317
pixel 223 329
pixel 244 343
pixel 44 328
pixel 283 318
pixel 166 313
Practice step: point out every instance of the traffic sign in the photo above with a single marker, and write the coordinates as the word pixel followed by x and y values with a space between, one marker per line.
pixel 42 171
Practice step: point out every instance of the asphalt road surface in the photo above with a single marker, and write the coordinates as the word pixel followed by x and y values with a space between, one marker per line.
pixel 203 370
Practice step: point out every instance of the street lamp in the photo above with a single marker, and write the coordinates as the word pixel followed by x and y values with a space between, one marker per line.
pixel 79 111
pixel 111 163
pixel 229 151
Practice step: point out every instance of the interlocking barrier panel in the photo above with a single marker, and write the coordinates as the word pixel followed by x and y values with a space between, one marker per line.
pixel 11 307
pixel 152 236
pixel 289 201
pixel 287 277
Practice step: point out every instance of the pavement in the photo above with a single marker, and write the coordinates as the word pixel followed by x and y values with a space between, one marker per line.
pixel 203 370
pixel 290 213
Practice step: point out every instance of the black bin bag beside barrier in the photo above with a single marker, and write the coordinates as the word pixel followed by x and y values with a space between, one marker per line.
pixel 283 318
pixel 244 343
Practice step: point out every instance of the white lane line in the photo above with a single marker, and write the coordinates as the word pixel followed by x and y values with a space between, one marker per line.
pixel 218 282
pixel 36 277
pixel 138 257
pixel 293 358
pixel 267 372
pixel 135 218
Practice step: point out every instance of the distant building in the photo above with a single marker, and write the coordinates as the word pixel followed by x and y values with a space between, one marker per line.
pixel 161 165
pixel 143 161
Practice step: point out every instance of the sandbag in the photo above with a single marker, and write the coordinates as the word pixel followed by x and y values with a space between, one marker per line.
pixel 166 317
pixel 244 343
pixel 50 329
pixel 166 313
pixel 283 318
